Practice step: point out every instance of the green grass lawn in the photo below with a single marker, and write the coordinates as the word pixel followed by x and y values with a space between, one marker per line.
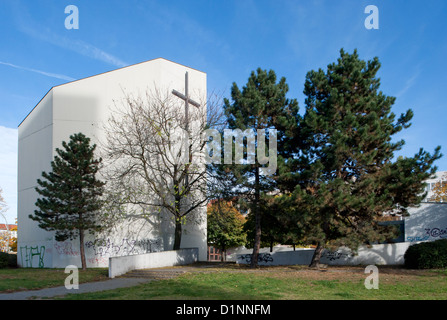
pixel 31 279
pixel 290 285
pixel 282 283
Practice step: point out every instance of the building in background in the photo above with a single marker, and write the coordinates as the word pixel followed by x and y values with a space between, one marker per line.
pixel 8 237
pixel 430 184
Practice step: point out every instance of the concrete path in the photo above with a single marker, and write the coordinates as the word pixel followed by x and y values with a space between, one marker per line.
pixel 83 288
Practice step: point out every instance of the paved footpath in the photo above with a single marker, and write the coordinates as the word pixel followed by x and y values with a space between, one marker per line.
pixel 83 288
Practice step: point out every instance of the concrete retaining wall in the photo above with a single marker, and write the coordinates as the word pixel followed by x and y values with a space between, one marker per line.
pixel 380 254
pixel 121 265
pixel 428 222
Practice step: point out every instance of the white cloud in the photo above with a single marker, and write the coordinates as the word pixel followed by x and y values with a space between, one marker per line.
pixel 48 74
pixel 8 170
pixel 77 46
pixel 26 24
pixel 408 84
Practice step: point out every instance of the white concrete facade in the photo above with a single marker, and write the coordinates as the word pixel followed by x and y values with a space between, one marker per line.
pixel 428 222
pixel 84 106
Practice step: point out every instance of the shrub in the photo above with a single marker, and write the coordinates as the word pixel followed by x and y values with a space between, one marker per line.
pixel 7 260
pixel 427 255
pixel 4 258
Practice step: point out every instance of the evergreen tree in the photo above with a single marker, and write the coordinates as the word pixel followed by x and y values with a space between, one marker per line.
pixel 345 177
pixel 262 104
pixel 71 194
pixel 276 226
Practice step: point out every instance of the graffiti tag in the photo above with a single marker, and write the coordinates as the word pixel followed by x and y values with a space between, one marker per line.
pixel 30 253
pixel 334 255
pixel 107 247
pixel 430 233
pixel 262 257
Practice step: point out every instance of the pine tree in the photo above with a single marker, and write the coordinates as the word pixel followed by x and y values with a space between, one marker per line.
pixel 70 193
pixel 262 104
pixel 346 177
pixel 273 230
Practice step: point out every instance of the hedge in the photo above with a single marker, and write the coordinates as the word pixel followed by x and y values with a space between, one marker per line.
pixel 8 260
pixel 427 255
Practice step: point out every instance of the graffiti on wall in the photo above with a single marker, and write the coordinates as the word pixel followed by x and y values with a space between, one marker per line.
pixel 29 255
pixel 334 255
pixel 97 252
pixel 262 257
pixel 434 233
pixel 66 248
pixel 107 247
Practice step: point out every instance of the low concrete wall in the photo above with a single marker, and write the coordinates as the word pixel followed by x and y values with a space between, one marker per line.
pixel 300 256
pixel 380 254
pixel 428 222
pixel 120 265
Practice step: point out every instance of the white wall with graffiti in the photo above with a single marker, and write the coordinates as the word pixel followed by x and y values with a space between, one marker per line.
pixel 428 222
pixel 130 237
pixel 380 254
pixel 61 254
pixel 98 249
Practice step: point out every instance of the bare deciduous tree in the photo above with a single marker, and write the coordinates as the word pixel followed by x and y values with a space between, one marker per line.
pixel 154 164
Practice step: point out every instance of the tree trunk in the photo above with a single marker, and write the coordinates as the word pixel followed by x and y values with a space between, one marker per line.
pixel 81 244
pixel 315 263
pixel 223 254
pixel 257 241
pixel 178 220
pixel 177 234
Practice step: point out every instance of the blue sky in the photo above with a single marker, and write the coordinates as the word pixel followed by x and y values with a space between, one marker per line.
pixel 226 39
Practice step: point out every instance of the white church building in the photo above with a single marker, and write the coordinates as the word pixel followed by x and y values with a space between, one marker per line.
pixel 84 106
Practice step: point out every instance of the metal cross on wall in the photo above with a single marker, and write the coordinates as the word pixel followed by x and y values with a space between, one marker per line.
pixel 187 100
